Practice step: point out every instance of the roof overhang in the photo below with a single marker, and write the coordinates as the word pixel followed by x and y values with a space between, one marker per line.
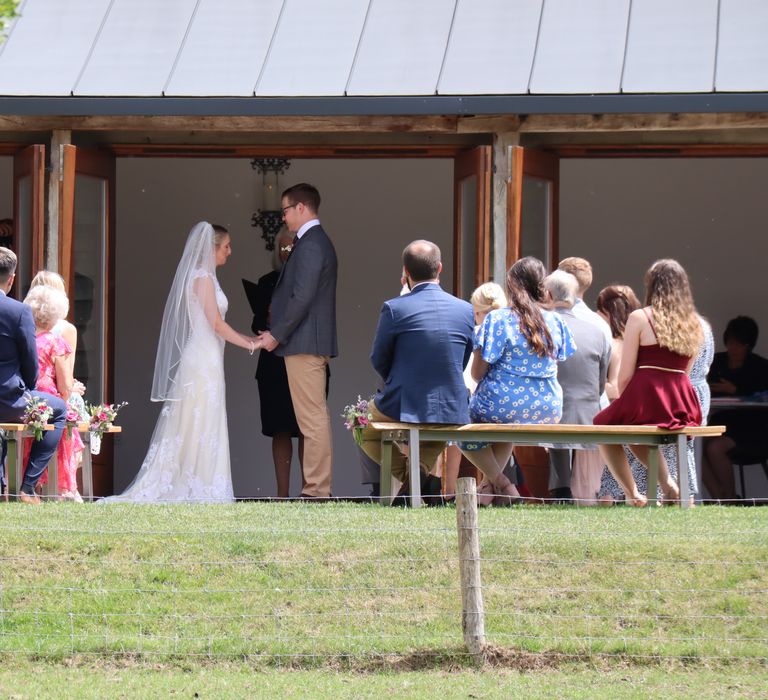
pixel 385 105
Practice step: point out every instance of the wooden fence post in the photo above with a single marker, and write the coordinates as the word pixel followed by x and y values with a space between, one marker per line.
pixel 472 612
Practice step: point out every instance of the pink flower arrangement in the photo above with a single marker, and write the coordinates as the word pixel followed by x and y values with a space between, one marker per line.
pixel 36 415
pixel 73 418
pixel 357 416
pixel 102 416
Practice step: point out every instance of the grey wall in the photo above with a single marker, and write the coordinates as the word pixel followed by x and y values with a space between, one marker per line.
pixel 708 213
pixel 371 210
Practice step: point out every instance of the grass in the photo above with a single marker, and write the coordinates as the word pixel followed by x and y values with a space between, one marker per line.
pixel 363 598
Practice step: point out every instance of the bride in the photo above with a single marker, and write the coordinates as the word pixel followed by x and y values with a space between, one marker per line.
pixel 188 456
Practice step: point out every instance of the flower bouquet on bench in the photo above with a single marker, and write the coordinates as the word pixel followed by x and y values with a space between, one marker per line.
pixel 102 418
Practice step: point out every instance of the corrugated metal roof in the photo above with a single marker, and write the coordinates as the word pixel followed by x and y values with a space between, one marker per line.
pixel 336 48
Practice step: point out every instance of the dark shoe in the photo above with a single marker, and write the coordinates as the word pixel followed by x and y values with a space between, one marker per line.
pixel 561 496
pixel 314 499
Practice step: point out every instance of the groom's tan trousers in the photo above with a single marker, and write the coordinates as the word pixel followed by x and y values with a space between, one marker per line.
pixel 307 381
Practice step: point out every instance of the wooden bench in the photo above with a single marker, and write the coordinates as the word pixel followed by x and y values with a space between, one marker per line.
pixel 14 434
pixel 559 434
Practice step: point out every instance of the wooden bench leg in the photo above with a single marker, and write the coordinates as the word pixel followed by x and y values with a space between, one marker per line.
pixel 415 467
pixel 385 476
pixel 12 475
pixel 682 471
pixel 653 473
pixel 87 466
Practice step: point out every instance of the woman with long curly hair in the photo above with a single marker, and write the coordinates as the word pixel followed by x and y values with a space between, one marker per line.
pixel 660 343
pixel 516 352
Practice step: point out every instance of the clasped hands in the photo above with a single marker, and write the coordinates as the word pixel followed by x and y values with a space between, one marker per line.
pixel 264 340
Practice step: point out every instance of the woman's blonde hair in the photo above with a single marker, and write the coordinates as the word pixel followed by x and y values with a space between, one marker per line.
pixel 487 297
pixel 675 321
pixel 49 305
pixel 49 279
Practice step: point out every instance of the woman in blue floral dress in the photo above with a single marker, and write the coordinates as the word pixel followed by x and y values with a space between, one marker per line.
pixel 515 360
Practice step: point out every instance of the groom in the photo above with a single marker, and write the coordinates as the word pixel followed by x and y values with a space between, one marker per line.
pixel 18 375
pixel 303 331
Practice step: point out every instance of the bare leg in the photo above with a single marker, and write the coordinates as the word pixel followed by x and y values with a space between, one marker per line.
pixel 282 455
pixel 619 466
pixel 717 469
pixel 491 461
pixel 668 486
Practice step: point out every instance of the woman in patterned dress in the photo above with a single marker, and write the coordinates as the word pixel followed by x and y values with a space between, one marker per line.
pixel 54 358
pixel 515 358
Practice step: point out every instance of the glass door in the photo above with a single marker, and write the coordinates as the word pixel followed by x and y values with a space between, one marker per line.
pixel 28 216
pixel 86 261
pixel 533 206
pixel 472 222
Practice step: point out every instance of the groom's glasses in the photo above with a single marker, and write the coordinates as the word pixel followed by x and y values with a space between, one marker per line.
pixel 290 206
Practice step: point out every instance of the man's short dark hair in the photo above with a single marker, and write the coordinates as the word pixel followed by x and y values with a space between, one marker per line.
pixel 7 264
pixel 742 329
pixel 421 260
pixel 304 193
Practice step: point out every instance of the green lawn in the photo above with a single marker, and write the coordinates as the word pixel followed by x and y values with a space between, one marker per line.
pixel 357 600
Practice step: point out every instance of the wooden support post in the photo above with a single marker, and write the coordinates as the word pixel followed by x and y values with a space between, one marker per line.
pixel 472 611
pixel 59 138
pixel 502 175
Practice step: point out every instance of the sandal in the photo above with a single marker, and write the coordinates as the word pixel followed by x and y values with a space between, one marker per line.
pixel 506 492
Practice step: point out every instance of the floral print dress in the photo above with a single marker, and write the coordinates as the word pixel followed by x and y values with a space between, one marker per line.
pixel 49 347
pixel 519 386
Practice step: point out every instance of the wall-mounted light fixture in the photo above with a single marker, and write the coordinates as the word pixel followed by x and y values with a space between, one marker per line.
pixel 270 217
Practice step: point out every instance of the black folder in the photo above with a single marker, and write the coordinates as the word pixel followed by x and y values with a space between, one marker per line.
pixel 252 293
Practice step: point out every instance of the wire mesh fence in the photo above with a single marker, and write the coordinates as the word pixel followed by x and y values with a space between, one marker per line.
pixel 304 584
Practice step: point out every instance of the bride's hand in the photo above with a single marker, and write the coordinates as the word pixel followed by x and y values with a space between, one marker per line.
pixel 254 343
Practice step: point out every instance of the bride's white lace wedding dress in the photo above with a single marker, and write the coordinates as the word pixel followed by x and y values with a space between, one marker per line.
pixel 188 456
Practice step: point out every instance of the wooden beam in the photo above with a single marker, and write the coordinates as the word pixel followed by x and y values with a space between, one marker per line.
pixel 159 150
pixel 497 123
pixel 373 124
pixel 545 123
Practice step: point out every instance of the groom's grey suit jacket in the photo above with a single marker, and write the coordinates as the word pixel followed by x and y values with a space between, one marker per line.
pixel 304 301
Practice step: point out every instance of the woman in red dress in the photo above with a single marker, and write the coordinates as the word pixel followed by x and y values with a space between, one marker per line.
pixel 660 343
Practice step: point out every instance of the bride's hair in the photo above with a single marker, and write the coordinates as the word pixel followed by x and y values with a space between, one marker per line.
pixel 219 232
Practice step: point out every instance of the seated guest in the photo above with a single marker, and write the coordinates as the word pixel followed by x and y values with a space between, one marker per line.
pixel 422 344
pixel 582 271
pixel 614 304
pixel 516 351
pixel 54 357
pixel 18 375
pixel 617 305
pixel 486 298
pixel 736 372
pixel 660 344
pixel 581 376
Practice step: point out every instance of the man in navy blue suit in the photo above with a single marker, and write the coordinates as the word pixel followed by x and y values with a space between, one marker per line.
pixel 422 344
pixel 18 376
